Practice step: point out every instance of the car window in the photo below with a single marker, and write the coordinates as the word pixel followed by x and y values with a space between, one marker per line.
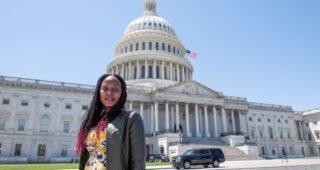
pixel 189 152
pixel 204 152
pixel 196 152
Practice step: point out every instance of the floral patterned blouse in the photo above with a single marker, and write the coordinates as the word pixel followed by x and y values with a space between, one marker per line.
pixel 96 146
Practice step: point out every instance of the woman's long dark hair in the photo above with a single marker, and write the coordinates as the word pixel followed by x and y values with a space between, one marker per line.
pixel 93 116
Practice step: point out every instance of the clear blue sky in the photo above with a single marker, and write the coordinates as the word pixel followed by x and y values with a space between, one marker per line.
pixel 265 50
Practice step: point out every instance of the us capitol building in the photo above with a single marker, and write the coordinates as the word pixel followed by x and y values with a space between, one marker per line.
pixel 39 119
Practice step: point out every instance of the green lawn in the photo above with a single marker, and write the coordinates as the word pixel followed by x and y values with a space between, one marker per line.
pixel 55 166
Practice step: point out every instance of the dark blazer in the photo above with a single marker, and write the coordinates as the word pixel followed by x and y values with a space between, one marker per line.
pixel 125 143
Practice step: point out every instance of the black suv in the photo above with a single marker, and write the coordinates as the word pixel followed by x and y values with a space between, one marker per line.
pixel 205 157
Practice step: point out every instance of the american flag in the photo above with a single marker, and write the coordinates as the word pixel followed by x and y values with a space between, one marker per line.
pixel 191 54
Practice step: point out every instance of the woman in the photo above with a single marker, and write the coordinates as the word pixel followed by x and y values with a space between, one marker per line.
pixel 110 137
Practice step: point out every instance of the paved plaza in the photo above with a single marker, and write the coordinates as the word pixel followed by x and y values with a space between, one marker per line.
pixel 274 164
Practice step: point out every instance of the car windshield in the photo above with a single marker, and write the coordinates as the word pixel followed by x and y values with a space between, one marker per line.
pixel 189 152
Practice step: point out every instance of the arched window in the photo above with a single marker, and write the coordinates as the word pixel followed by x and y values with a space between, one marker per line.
pixel 44 124
pixel 137 46
pixel 169 48
pixel 143 69
pixel 157 72
pixel 131 47
pixel 157 46
pixel 150 71
pixel 270 133
pixel 143 46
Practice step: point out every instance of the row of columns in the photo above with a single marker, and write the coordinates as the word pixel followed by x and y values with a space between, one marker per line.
pixel 133 70
pixel 155 118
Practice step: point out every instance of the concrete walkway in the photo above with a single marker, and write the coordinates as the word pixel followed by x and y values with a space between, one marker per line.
pixel 274 164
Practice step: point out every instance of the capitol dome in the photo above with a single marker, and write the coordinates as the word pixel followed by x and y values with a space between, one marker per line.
pixel 150 52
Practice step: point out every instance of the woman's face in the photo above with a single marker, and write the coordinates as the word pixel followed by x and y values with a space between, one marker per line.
pixel 110 92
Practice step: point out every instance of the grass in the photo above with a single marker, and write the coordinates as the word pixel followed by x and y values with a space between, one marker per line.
pixel 56 166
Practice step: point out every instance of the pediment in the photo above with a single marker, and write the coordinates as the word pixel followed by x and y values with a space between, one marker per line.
pixel 190 88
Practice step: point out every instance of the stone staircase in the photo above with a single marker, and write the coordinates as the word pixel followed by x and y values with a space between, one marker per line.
pixel 231 153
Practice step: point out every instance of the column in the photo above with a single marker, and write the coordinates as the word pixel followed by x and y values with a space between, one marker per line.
pixel 130 71
pixel 233 121
pixel 293 127
pixel 74 127
pixel 154 69
pixel 215 121
pixel 187 120
pixel 240 120
pixel 197 121
pixel 152 119
pixel 177 116
pixel 130 105
pixel 146 70
pixel 183 75
pixel 138 70
pixel 301 130
pixel 224 120
pixel 162 70
pixel 141 110
pixel 117 69
pixel 122 71
pixel 170 71
pixel 206 121
pixel 167 117
pixel 178 73
pixel 156 117
pixel 187 78
pixel 30 119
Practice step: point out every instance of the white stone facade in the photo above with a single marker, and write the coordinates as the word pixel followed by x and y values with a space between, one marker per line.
pixel 39 119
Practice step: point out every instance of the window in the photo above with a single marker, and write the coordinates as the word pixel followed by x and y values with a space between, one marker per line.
pixel 269 120
pixel 21 124
pixel 47 104
pixel 205 152
pixel 174 49
pixel 5 101
pixel 137 46
pixel 150 45
pixel 309 136
pixel 135 72
pixel 261 133
pixel 318 135
pixel 157 71
pixel 24 103
pixel 273 152
pixel 178 51
pixel 286 121
pixel 307 124
pixel 250 119
pixel 2 123
pixel 169 48
pixel 84 107
pixel 66 126
pixel 270 133
pixel 288 134
pixel 315 123
pixel 44 123
pixel 252 133
pixel 279 121
pixel 41 150
pixel 157 46
pixel 68 106
pixel 17 150
pixel 259 120
pixel 311 151
pixel 281 134
pixel 143 46
pixel 163 47
pixel 64 150
pixel 150 72
pixel 131 47
pixel 143 72
pixel 126 49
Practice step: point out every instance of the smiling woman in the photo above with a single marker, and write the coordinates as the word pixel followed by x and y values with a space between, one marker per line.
pixel 105 124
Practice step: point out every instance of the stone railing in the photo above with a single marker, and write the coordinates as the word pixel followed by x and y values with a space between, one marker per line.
pixel 45 83
pixel 270 106
pixel 242 99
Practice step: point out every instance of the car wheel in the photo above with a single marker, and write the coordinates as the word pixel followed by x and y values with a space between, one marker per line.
pixel 186 165
pixel 177 167
pixel 205 166
pixel 215 163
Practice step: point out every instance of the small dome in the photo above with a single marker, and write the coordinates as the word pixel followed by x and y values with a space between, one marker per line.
pixel 150 22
